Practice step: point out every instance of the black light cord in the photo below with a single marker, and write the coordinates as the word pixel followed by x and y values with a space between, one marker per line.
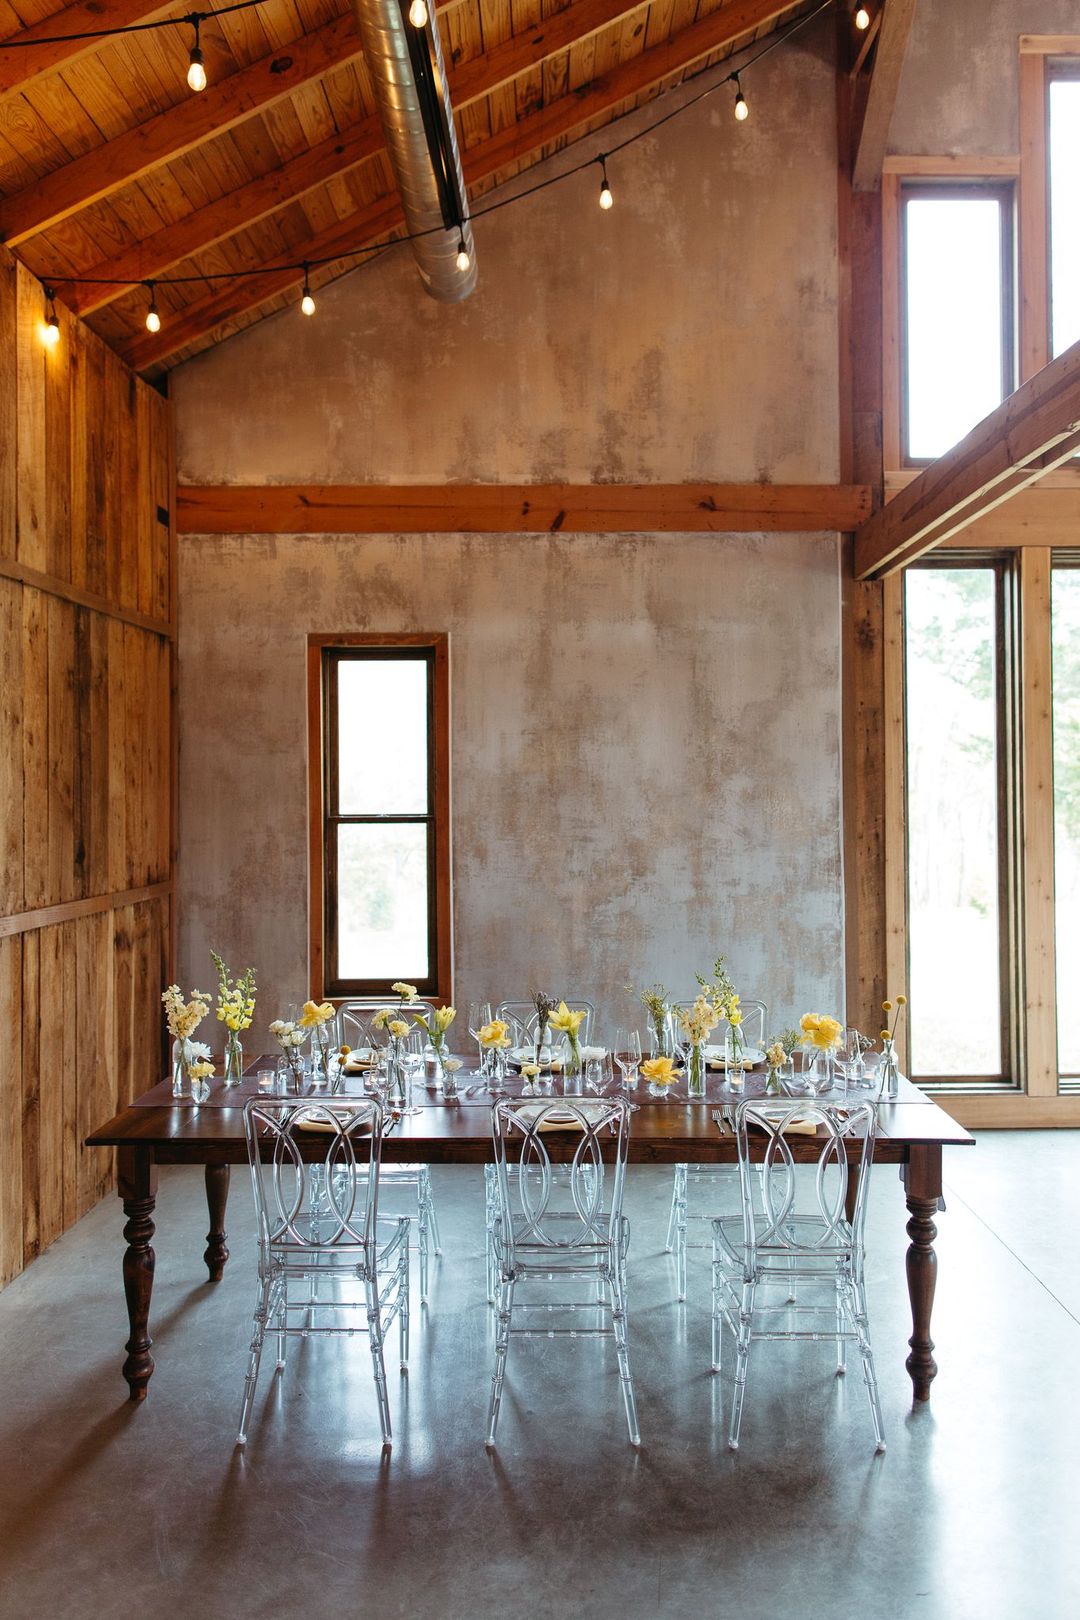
pixel 190 20
pixel 294 266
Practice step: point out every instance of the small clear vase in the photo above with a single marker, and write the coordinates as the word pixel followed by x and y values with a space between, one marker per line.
pixel 734 1073
pixel 295 1060
pixel 320 1068
pixel 180 1056
pixel 200 1090
pixel 888 1071
pixel 397 1089
pixel 662 1037
pixel 695 1070
pixel 571 1057
pixel 820 1076
pixel 233 1070
pixel 772 1083
pixel 446 1077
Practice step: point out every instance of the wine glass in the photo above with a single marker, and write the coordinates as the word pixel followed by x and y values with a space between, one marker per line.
pixel 479 1015
pixel 628 1055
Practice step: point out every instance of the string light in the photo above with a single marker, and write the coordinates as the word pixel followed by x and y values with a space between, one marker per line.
pixel 462 261
pixel 153 319
pixel 862 18
pixel 605 199
pixel 418 14
pixel 196 73
pixel 742 110
pixel 50 332
pixel 307 303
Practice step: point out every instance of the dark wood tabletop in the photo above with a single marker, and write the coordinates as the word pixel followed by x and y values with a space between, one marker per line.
pixel 158 1129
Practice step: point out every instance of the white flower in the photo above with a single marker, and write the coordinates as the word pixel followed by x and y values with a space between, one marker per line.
pixel 593 1053
pixel 198 1049
pixel 452 1065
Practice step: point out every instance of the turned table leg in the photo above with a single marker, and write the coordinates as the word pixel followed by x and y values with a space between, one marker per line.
pixel 137 1172
pixel 922 1181
pixel 217 1196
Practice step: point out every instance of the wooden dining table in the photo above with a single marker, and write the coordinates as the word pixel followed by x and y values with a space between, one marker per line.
pixel 159 1129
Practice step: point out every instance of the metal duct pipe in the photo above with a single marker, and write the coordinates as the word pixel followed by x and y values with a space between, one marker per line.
pixel 409 79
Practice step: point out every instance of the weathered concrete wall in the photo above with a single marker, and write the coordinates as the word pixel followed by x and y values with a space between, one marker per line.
pixel 959 91
pixel 690 333
pixel 645 739
pixel 681 693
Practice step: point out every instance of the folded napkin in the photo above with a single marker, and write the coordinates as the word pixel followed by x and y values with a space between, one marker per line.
pixel 356 1064
pixel 570 1122
pixel 799 1127
pixel 318 1119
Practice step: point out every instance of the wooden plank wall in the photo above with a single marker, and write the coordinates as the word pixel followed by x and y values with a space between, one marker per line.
pixel 87 617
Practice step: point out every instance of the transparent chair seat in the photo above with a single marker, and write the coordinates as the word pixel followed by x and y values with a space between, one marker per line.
pixel 560 1219
pixel 794 1224
pixel 315 1177
pixel 690 1179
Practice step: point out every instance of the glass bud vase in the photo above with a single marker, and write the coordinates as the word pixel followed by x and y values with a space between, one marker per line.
pixel 889 1071
pixel 233 1069
pixel 180 1054
pixel 663 1037
pixel 319 1057
pixel 820 1073
pixel 695 1070
pixel 571 1057
pixel 396 1084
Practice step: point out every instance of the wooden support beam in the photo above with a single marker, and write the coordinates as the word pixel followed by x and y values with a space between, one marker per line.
pixel 196 119
pixel 268 192
pixel 1033 431
pixel 517 141
pixel 896 21
pixel 19 64
pixel 517 508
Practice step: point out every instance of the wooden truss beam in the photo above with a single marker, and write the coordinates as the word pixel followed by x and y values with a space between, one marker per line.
pixel 512 144
pixel 892 43
pixel 518 508
pixel 108 168
pixel 1032 432
pixel 18 65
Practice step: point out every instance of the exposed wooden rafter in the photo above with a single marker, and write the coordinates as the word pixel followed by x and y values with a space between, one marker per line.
pixel 251 202
pixel 18 65
pixel 515 142
pixel 1032 432
pixel 888 62
pixel 108 168
pixel 519 508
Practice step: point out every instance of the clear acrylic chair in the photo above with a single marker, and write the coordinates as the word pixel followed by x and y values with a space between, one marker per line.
pixel 521 1017
pixel 794 1225
pixel 404 1182
pixel 553 1228
pixel 702 1178
pixel 315 1175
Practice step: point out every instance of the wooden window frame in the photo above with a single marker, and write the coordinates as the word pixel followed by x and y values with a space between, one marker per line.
pixel 970 185
pixel 321 671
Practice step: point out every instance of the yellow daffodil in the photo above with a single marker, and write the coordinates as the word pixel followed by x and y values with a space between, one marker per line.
pixel 659 1071
pixel 316 1013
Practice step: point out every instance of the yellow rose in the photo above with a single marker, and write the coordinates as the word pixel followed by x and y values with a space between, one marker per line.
pixel 493 1034
pixel 659 1070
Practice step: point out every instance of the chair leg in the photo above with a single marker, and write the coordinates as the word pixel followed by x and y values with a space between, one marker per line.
pixel 862 1332
pixel 436 1241
pixel 742 1359
pixel 841 1341
pixel 489 1241
pixel 677 1227
pixel 257 1337
pixel 282 1319
pixel 616 1284
pixel 422 1231
pixel 502 1344
pixel 669 1241
pixel 371 1285
pixel 403 1307
pixel 717 1314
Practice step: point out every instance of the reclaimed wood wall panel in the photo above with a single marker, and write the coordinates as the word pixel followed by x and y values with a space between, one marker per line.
pixel 86 740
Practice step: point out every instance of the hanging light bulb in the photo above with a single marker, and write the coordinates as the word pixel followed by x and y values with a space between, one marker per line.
pixel 418 14
pixel 196 73
pixel 605 199
pixel 742 110
pixel 50 332
pixel 462 261
pixel 862 18
pixel 153 319
pixel 307 303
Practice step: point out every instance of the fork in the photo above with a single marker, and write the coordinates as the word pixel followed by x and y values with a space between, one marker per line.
pixel 719 1122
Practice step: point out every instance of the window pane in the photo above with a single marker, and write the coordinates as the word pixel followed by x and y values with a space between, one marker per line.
pixel 1064 157
pixel 954 318
pixel 953 835
pixel 1065 604
pixel 382 736
pixel 383 901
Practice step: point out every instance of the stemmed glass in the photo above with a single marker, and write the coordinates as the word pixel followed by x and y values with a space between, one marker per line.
pixel 628 1055
pixel 479 1015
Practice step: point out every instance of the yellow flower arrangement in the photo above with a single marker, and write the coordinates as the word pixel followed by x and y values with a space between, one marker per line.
pixel 235 1000
pixel 659 1071
pixel 698 1021
pixel 316 1013
pixel 437 1025
pixel 407 992
pixel 493 1037
pixel 565 1020
pixel 184 1017
pixel 398 1028
pixel 821 1031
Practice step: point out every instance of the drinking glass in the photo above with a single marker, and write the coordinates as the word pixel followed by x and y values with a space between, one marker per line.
pixel 264 1079
pixel 479 1015
pixel 628 1055
pixel 734 1073
pixel 598 1073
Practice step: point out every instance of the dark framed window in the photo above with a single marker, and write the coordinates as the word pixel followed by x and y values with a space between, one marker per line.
pixel 379 741
pixel 957 336
pixel 961 788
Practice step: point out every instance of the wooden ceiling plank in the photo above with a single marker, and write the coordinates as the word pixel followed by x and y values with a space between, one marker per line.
pixel 893 36
pixel 512 144
pixel 1031 433
pixel 19 66
pixel 105 170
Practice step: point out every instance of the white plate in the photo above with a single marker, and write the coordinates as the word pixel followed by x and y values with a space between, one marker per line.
pixel 527 1054
pixel 751 1054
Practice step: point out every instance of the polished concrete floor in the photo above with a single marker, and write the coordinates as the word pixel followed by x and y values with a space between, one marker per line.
pixel 112 1510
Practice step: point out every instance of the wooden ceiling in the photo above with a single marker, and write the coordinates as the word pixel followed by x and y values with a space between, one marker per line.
pixel 110 166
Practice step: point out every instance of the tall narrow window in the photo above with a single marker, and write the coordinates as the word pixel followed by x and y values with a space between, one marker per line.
pixel 957 837
pixel 1065 611
pixel 957 361
pixel 1063 165
pixel 381 865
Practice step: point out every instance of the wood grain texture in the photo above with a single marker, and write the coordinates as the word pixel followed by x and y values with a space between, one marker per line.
pixel 1037 789
pixel 518 508
pixel 888 64
pixel 19 65
pixel 1033 220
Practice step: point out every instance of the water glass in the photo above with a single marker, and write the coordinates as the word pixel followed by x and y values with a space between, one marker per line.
pixel 734 1073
